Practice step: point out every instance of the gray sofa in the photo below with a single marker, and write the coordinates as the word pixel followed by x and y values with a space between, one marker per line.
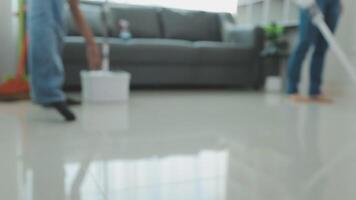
pixel 171 47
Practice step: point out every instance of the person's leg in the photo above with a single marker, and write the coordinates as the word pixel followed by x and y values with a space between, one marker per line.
pixel 306 32
pixel 318 57
pixel 45 65
pixel 45 27
pixel 331 11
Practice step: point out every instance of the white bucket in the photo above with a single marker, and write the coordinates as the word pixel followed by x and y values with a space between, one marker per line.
pixel 274 84
pixel 105 86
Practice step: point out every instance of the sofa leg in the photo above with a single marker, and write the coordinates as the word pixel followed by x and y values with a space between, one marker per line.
pixel 258 86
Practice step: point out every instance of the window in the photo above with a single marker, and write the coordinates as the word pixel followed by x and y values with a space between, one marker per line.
pixel 266 11
pixel 204 5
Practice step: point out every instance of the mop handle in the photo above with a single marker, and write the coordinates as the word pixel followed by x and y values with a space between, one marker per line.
pixel 106 45
pixel 335 47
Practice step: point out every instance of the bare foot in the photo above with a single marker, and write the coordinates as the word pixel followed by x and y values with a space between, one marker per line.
pixel 298 98
pixel 321 99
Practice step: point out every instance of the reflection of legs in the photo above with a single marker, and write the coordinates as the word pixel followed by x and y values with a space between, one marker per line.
pixel 45 159
pixel 331 12
pixel 75 190
pixel 311 157
pixel 306 30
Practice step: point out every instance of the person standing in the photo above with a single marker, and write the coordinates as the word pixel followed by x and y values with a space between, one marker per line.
pixel 46 31
pixel 310 36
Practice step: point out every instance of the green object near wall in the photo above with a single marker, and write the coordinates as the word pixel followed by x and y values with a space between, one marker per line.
pixel 274 31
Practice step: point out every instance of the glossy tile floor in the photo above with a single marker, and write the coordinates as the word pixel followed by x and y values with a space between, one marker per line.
pixel 182 145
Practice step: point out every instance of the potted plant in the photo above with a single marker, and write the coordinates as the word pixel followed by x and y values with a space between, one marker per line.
pixel 275 49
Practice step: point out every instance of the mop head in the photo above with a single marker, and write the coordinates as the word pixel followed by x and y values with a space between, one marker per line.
pixel 14 89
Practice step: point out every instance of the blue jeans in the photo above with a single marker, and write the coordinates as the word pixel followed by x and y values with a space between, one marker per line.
pixel 310 36
pixel 46 31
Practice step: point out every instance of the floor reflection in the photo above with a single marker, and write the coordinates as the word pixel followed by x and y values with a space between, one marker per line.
pixel 197 176
pixel 119 152
pixel 99 173
pixel 107 162
pixel 101 163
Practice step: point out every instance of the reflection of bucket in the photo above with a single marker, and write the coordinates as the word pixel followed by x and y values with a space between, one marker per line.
pixel 274 84
pixel 105 86
pixel 105 118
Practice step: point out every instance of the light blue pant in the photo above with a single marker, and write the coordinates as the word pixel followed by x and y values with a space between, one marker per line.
pixel 309 36
pixel 46 31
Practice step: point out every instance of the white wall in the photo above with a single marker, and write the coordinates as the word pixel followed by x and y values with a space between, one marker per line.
pixel 7 38
pixel 346 35
pixel 276 11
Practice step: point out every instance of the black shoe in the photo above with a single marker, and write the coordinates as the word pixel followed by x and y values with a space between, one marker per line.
pixel 73 102
pixel 63 109
pixel 68 102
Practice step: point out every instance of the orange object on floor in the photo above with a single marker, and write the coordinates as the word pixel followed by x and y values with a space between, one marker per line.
pixel 15 89
pixel 18 88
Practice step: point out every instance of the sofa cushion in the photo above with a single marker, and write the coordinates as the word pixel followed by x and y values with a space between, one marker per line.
pixel 218 53
pixel 144 21
pixel 190 25
pixel 93 14
pixel 153 51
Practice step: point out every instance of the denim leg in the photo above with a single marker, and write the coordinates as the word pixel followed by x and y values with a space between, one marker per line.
pixel 45 28
pixel 331 11
pixel 306 35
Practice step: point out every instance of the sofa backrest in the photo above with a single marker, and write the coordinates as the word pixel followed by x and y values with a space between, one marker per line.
pixel 93 13
pixel 190 25
pixel 152 22
pixel 144 21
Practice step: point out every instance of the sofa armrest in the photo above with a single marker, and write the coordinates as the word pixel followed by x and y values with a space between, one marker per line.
pixel 244 36
pixel 251 38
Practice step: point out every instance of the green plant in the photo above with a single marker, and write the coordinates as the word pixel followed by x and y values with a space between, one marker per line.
pixel 274 34
pixel 274 31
